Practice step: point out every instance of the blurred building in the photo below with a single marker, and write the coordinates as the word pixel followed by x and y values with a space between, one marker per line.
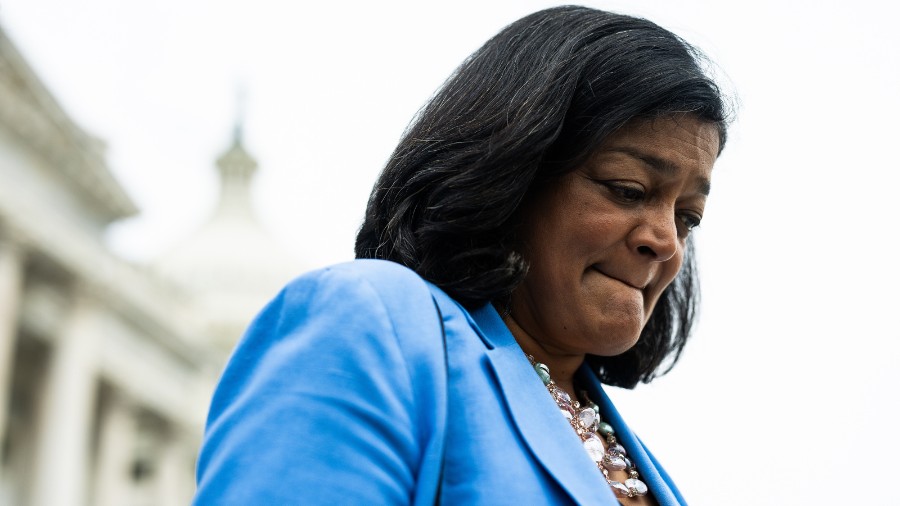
pixel 106 367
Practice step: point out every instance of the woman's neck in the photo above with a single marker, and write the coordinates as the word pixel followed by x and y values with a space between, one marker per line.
pixel 562 365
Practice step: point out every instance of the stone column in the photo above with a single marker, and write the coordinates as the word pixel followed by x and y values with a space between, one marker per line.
pixel 115 454
pixel 62 459
pixel 11 280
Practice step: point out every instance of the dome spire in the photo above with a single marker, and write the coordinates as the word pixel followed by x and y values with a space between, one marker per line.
pixel 236 168
pixel 240 100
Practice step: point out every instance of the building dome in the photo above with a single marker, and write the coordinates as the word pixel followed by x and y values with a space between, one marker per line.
pixel 231 266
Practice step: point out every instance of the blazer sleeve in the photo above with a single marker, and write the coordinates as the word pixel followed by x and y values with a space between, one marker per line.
pixel 318 403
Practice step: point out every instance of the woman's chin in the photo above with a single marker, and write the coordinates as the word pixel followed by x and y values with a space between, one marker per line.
pixel 616 341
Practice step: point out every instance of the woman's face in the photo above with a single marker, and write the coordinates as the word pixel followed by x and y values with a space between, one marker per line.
pixel 606 239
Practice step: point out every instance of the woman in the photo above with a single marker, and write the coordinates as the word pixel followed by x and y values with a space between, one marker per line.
pixel 536 220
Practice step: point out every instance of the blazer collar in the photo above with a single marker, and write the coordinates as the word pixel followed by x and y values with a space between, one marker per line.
pixel 536 415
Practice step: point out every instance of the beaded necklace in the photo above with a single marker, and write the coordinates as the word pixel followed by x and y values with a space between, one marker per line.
pixel 588 424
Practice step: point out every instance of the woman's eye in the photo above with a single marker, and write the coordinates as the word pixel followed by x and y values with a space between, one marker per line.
pixel 690 221
pixel 626 193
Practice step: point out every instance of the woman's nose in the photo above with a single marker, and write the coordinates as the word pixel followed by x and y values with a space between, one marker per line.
pixel 656 237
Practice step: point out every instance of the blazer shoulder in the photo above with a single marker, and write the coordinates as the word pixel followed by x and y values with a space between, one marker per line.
pixel 388 280
pixel 375 291
pixel 343 374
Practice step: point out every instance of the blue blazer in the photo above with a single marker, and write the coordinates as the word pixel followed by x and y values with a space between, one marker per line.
pixel 339 394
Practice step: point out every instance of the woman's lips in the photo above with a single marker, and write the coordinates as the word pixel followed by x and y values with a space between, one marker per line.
pixel 629 282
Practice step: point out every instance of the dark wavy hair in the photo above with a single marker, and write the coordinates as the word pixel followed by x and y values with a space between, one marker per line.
pixel 526 108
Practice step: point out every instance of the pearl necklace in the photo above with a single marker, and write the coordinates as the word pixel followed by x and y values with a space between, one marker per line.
pixel 588 424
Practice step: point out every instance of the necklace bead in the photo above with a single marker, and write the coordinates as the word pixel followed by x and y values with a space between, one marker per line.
pixel 639 486
pixel 594 448
pixel 543 371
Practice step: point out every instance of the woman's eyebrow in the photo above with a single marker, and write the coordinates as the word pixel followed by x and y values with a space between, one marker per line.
pixel 663 166
pixel 659 164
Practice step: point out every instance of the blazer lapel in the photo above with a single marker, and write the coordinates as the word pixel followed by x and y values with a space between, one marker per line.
pixel 536 416
pixel 646 467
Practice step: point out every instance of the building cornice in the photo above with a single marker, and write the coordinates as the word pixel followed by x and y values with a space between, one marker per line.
pixel 29 110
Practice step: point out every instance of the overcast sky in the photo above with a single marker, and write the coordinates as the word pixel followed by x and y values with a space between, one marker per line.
pixel 788 393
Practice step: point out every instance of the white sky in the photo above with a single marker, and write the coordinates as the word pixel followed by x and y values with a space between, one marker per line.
pixel 788 393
